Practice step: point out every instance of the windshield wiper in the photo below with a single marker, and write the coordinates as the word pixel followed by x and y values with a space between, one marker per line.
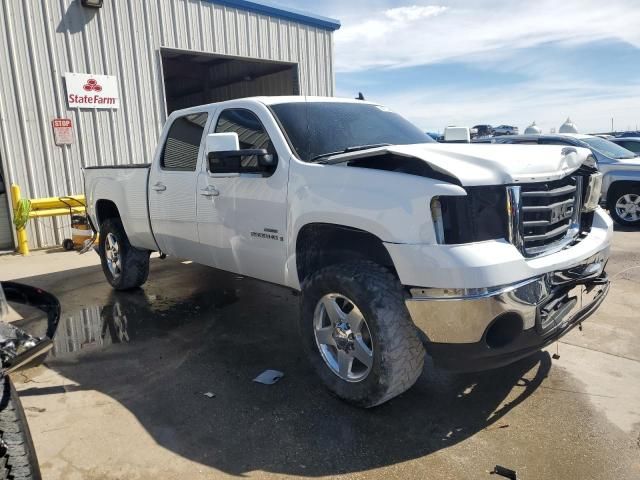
pixel 347 150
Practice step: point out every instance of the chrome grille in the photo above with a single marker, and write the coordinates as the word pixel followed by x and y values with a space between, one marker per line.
pixel 549 215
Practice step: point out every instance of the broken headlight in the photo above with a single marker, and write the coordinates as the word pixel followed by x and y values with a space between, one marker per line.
pixel 592 192
pixel 478 216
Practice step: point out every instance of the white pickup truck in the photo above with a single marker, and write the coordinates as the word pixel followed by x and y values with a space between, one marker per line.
pixel 478 254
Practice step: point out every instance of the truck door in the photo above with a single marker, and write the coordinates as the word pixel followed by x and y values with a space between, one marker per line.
pixel 242 214
pixel 172 187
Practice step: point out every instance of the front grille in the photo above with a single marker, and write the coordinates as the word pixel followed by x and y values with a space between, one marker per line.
pixel 549 214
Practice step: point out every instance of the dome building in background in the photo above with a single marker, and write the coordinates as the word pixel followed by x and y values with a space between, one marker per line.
pixel 533 129
pixel 568 127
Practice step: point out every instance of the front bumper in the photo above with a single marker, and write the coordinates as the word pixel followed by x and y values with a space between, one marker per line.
pixel 459 324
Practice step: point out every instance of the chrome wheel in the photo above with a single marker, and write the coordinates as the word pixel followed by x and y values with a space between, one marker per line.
pixel 343 337
pixel 112 254
pixel 628 207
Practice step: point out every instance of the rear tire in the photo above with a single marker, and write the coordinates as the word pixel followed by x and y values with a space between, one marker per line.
pixel 125 266
pixel 624 205
pixel 397 354
pixel 18 459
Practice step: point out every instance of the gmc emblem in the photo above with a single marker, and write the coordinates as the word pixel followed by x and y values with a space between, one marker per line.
pixel 561 212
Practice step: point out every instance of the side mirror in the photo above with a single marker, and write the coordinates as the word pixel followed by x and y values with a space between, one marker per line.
pixel 267 161
pixel 230 161
pixel 220 142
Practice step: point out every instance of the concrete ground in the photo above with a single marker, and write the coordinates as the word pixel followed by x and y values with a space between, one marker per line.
pixel 122 395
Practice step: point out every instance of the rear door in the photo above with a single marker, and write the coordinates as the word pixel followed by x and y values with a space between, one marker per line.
pixel 172 186
pixel 242 216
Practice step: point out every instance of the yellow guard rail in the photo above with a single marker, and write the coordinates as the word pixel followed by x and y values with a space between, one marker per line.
pixel 44 207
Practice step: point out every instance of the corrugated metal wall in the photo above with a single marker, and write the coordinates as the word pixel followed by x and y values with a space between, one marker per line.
pixel 40 40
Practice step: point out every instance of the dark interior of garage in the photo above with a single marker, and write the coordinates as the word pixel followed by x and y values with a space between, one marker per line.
pixel 195 79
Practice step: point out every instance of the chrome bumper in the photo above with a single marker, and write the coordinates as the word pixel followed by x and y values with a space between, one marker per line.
pixel 545 302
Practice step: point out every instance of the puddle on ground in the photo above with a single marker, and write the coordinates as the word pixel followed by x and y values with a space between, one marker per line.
pixel 127 317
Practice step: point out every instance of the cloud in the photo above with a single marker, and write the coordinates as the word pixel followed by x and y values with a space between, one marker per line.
pixel 474 31
pixel 542 60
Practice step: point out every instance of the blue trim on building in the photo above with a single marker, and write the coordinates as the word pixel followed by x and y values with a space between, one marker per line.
pixel 288 13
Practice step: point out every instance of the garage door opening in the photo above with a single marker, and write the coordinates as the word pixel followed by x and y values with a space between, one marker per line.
pixel 198 78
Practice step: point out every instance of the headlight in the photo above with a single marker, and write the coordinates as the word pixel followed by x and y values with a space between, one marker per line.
pixel 590 162
pixel 436 216
pixel 592 192
pixel 478 216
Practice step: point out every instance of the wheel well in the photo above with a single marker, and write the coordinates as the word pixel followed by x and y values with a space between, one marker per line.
pixel 321 244
pixel 106 209
pixel 619 185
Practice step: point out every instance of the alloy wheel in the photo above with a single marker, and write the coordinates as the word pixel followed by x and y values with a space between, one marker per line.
pixel 343 337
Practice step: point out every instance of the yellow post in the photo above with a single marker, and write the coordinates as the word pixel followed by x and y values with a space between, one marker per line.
pixel 23 243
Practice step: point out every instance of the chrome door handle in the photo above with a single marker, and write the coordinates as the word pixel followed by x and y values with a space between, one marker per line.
pixel 209 192
pixel 159 187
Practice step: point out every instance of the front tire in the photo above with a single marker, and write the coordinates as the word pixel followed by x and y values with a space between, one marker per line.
pixel 358 333
pixel 624 205
pixel 124 266
pixel 18 459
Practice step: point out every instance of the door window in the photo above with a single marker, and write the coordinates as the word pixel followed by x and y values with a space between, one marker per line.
pixel 633 146
pixel 251 135
pixel 183 143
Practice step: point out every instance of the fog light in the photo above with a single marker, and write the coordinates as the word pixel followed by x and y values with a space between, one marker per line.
pixel 504 330
pixel 592 194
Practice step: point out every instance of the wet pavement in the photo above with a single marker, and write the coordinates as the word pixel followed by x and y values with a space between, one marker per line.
pixel 122 394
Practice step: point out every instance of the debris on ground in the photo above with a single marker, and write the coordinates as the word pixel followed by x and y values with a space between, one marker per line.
pixel 269 377
pixel 505 472
pixel 35 409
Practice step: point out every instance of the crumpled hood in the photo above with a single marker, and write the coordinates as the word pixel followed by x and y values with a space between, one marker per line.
pixel 476 164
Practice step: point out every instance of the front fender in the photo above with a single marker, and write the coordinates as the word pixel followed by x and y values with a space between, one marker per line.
pixel 395 207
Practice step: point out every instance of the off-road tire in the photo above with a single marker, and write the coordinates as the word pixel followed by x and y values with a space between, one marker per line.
pixel 18 459
pixel 134 262
pixel 615 192
pixel 398 357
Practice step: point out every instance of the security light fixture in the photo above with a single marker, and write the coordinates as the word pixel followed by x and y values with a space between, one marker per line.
pixel 92 3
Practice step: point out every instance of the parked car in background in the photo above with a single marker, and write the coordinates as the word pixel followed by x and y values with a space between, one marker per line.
pixel 435 135
pixel 630 143
pixel 633 133
pixel 620 168
pixel 483 130
pixel 505 130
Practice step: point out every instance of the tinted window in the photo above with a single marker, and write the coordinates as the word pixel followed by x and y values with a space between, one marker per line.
pixel 554 141
pixel 183 142
pixel 251 134
pixel 607 148
pixel 631 146
pixel 316 128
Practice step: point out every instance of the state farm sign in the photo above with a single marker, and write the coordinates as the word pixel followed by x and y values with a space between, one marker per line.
pixel 85 90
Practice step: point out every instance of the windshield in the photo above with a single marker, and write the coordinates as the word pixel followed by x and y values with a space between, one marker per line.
pixel 607 148
pixel 317 128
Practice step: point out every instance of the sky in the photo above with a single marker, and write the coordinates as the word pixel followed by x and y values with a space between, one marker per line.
pixel 495 62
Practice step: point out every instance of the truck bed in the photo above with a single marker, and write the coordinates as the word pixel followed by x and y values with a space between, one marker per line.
pixel 125 186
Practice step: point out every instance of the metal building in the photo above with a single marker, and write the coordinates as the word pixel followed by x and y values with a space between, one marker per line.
pixel 85 86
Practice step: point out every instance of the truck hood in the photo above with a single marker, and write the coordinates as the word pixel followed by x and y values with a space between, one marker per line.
pixel 475 164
